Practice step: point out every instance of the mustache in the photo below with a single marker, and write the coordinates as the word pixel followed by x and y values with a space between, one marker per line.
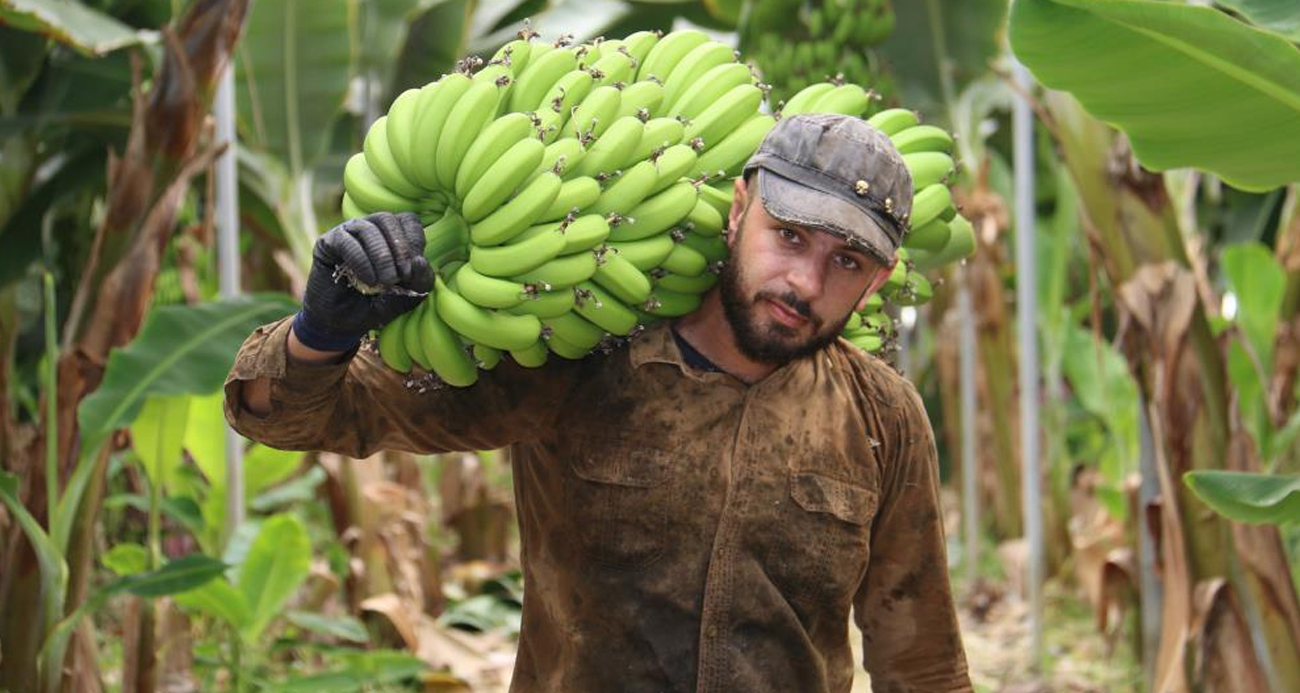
pixel 790 300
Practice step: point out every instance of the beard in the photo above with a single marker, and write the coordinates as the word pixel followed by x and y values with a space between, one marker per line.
pixel 771 343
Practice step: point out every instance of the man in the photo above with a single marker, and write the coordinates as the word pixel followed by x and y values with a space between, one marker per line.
pixel 700 510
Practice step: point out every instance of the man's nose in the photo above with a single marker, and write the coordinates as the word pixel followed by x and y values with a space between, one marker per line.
pixel 806 278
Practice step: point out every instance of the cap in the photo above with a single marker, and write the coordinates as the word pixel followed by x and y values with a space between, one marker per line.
pixel 839 174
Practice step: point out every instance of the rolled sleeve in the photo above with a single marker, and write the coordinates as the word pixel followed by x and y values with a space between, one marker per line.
pixel 904 605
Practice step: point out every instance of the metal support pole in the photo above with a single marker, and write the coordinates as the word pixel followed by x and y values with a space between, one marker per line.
pixel 1152 591
pixel 227 206
pixel 969 469
pixel 1027 321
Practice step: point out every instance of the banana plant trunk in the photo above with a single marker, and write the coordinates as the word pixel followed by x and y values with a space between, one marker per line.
pixel 1218 586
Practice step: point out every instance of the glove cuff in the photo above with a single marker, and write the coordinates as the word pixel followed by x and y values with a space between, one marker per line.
pixel 321 340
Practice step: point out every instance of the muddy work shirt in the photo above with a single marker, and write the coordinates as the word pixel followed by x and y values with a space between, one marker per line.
pixel 680 531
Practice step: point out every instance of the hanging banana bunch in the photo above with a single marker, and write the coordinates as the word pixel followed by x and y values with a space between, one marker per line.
pixel 574 193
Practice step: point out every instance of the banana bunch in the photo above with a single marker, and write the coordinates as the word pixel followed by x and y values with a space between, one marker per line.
pixel 571 193
pixel 574 193
pixel 825 37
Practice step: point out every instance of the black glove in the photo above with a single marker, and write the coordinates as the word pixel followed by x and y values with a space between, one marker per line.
pixel 364 273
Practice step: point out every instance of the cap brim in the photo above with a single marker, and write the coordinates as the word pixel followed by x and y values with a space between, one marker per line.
pixel 795 203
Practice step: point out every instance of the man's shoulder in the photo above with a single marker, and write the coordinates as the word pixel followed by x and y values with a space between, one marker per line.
pixel 877 380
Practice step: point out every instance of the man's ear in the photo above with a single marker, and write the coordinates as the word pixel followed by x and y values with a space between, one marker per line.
pixel 738 200
pixel 877 280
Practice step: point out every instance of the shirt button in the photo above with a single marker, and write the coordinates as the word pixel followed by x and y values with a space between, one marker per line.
pixel 711 632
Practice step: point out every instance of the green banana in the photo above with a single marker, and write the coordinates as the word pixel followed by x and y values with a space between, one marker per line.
pixel 467 119
pixel 584 233
pixel 713 248
pixel 961 244
pixel 612 149
pixel 712 86
pixel 490 146
pixel 704 219
pixel 627 190
pixel 728 157
pixel 595 114
pixel 515 216
pixel 392 344
pixel 641 98
pixel 517 257
pixel 502 178
pixel 514 55
pixel 402 116
pixel 927 168
pixel 923 138
pixel 541 74
pixel 575 195
pixel 443 350
pixel 433 110
pixel 687 285
pixel 565 349
pixel 930 237
pixel 671 304
pixel 647 253
pixel 495 329
pixel 562 156
pixel 659 134
pixel 381 162
pixel 639 45
pixel 487 291
pixel 672 165
pixel 568 92
pixel 846 99
pixel 686 261
pixel 545 304
pixel 351 210
pixel 561 273
pixel 804 99
pixel 892 121
pixel 693 65
pixel 668 51
pixel 929 203
pixel 619 277
pixel 445 240
pixel 411 336
pixel 534 356
pixel 725 115
pixel 718 199
pixel 604 310
pixel 575 330
pixel 368 192
pixel 614 67
pixel 486 357
pixel 657 213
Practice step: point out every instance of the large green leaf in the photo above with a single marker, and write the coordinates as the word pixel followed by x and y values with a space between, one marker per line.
pixel 1248 497
pixel 219 599
pixel 277 563
pixel 1258 281
pixel 294 63
pixel 360 671
pixel 180 350
pixel 1282 16
pixel 68 21
pixel 156 435
pixel 435 40
pixel 384 24
pixel 1190 86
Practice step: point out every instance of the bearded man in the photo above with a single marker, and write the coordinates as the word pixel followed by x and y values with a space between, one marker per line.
pixel 708 508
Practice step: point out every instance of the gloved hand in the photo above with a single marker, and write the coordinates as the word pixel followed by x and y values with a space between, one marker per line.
pixel 364 273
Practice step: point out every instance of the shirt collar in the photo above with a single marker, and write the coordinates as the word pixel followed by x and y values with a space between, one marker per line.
pixel 656 345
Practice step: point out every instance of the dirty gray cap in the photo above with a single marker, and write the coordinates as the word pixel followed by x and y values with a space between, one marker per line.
pixel 839 174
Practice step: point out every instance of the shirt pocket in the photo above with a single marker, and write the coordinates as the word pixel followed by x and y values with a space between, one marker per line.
pixel 822 545
pixel 618 495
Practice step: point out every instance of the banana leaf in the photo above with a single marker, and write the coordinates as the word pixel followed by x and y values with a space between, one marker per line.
pixel 87 30
pixel 293 68
pixel 1247 497
pixel 1190 86
pixel 180 350
pixel 276 564
pixel 1281 16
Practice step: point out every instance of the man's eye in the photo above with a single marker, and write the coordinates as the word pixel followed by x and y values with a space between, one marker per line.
pixel 788 235
pixel 847 262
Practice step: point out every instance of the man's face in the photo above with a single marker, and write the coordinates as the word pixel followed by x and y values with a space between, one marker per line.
pixel 787 291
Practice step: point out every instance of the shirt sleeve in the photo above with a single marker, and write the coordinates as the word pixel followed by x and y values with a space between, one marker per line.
pixel 904 605
pixel 360 406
